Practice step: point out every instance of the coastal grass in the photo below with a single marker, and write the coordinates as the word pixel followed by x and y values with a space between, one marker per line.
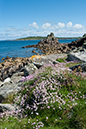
pixel 61 60
pixel 52 98
pixel 10 99
pixel 72 63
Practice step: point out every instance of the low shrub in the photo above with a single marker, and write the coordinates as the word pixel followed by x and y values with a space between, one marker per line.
pixel 51 98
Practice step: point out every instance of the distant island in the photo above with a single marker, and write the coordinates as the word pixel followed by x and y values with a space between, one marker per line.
pixel 41 37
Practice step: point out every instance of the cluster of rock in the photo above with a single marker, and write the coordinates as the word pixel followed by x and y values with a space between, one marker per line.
pixel 12 70
pixel 50 45
pixel 11 66
pixel 23 67
pixel 80 42
pixel 79 51
pixel 12 84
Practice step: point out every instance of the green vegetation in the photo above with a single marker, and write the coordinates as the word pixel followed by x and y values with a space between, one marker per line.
pixel 52 98
pixel 41 37
pixel 61 60
pixel 10 99
pixel 70 64
pixel 32 38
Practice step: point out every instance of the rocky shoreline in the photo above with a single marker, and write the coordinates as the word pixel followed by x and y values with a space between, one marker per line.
pixel 12 70
pixel 50 45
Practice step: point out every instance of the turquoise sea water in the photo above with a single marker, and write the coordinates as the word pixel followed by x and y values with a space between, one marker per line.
pixel 14 48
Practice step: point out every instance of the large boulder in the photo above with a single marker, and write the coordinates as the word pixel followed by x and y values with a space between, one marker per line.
pixel 77 55
pixel 10 86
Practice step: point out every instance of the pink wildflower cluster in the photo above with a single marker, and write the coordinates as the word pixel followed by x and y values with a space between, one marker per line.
pixel 41 91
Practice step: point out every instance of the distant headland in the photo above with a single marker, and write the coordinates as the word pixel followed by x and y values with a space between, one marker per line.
pixel 42 37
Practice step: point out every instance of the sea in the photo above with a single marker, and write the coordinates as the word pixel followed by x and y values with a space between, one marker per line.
pixel 14 48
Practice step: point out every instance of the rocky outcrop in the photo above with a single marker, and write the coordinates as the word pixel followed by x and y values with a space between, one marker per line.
pixel 10 86
pixel 78 43
pixel 79 52
pixel 50 45
pixel 11 72
pixel 13 84
pixel 11 66
pixel 80 56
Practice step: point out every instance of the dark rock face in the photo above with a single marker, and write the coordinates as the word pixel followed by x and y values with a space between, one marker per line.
pixel 79 42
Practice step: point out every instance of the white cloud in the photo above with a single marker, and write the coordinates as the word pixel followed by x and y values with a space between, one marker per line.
pixel 58 29
pixel 78 26
pixel 69 24
pixel 61 25
pixel 46 25
pixel 53 27
pixel 34 24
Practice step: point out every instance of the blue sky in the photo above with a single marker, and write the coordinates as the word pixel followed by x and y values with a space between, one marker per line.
pixel 22 18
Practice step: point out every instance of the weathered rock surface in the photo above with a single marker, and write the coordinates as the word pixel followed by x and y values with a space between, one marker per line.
pixel 8 107
pixel 10 87
pixel 79 53
pixel 47 59
pixel 80 67
pixel 41 62
pixel 13 84
pixel 29 69
pixel 53 57
pixel 80 56
pixel 11 66
pixel 79 42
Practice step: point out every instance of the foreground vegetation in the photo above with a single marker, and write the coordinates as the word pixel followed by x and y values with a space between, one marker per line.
pixel 52 98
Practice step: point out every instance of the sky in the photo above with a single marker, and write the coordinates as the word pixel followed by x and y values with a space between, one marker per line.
pixel 24 18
